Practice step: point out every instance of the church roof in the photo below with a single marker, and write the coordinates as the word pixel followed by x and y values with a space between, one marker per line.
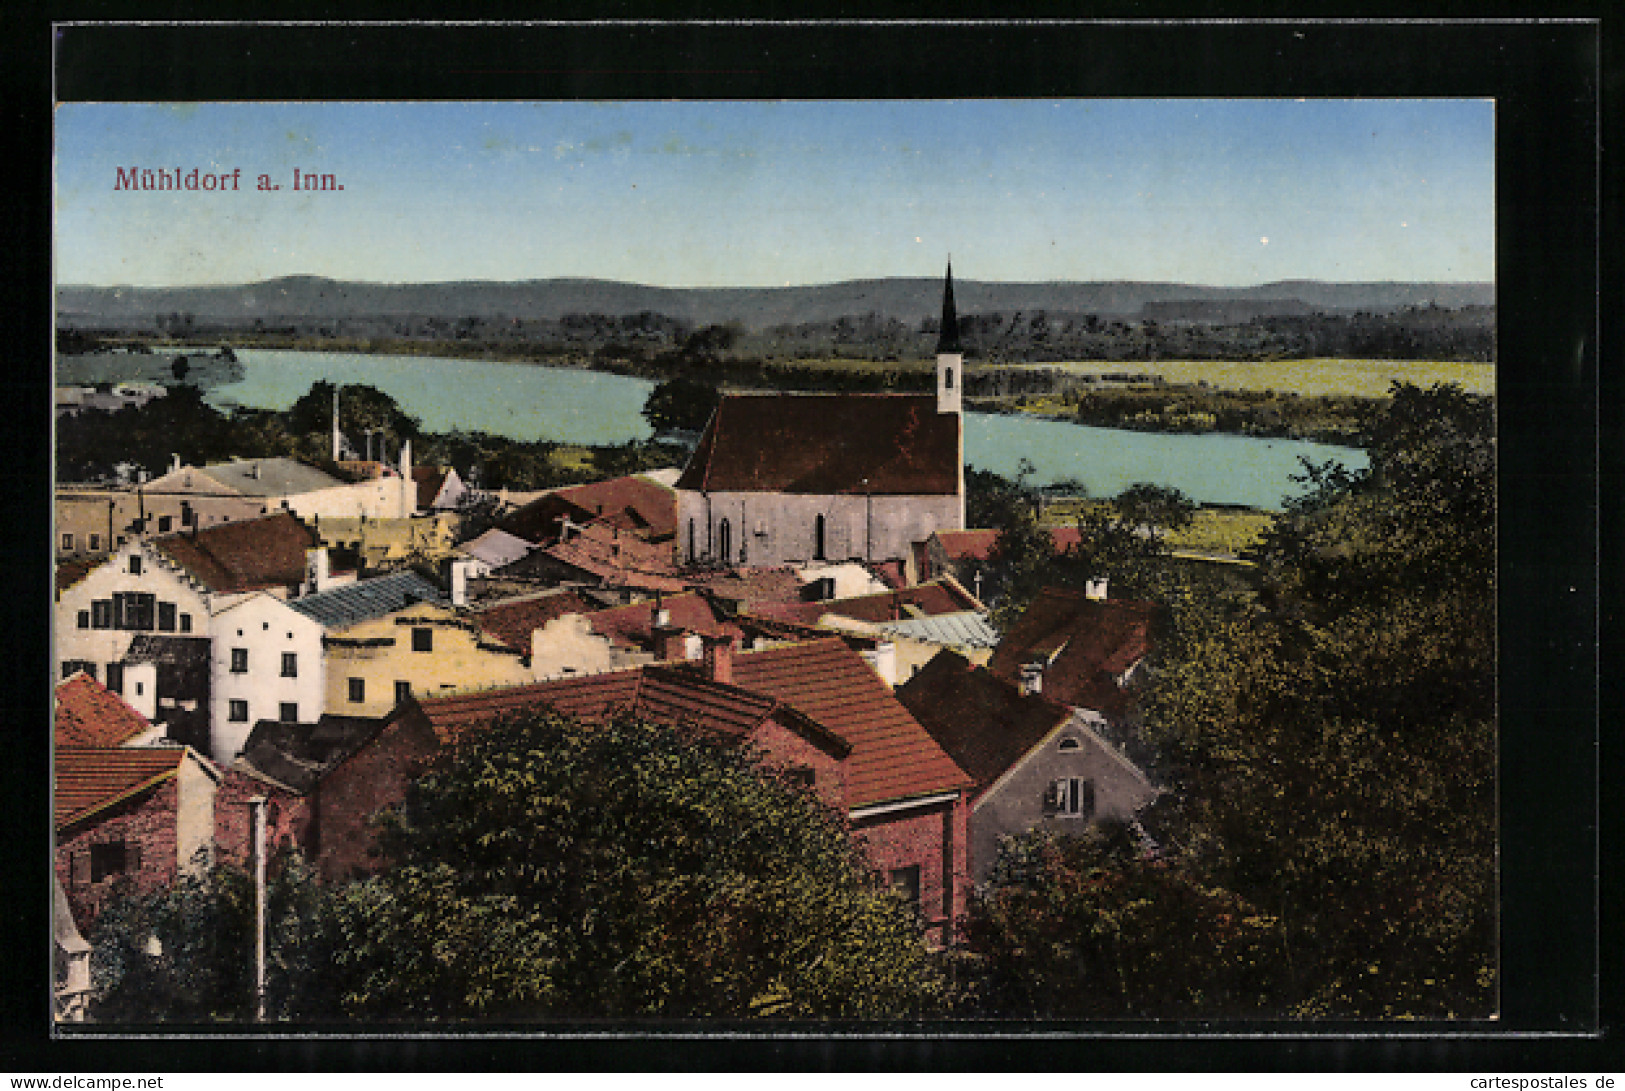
pixel 856 444
pixel 948 339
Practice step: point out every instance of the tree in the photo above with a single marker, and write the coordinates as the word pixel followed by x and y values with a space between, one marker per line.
pixel 549 869
pixel 1333 739
pixel 1086 926
pixel 681 403
pixel 179 367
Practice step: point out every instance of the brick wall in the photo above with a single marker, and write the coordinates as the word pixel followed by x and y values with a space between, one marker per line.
pixel 370 780
pixel 936 840
pixel 288 821
pixel 782 747
pixel 145 824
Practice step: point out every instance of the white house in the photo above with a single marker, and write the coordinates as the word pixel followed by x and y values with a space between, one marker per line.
pixel 266 664
pixel 800 478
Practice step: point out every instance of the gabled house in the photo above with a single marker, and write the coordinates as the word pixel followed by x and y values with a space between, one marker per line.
pixel 782 478
pixel 397 634
pixel 323 783
pixel 598 555
pixel 636 505
pixel 289 485
pixel 492 550
pixel 439 488
pixel 1035 761
pixel 266 663
pixel 131 817
pixel 1077 648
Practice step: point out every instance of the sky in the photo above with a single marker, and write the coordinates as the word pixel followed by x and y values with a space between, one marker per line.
pixel 706 194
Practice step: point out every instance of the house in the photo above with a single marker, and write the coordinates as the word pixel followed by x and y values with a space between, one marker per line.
pixel 266 663
pixel 396 634
pixel 786 741
pixel 439 488
pixel 598 555
pixel 1034 761
pixel 323 783
pixel 1076 647
pixel 512 621
pixel 290 485
pixel 131 817
pixel 142 620
pixel 961 553
pixel 818 711
pixel 797 478
pixel 90 716
pixel 635 504
pixel 93 521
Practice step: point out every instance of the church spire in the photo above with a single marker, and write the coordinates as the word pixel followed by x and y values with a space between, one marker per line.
pixel 948 338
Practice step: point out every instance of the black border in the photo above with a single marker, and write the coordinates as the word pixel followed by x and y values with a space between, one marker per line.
pixel 1547 79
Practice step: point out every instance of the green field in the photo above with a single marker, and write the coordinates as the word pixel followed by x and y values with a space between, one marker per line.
pixel 1225 531
pixel 1357 378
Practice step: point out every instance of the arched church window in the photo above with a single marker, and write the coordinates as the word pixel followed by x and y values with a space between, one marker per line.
pixel 725 541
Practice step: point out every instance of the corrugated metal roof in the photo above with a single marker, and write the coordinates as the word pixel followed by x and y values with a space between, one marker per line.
pixel 969 629
pixel 367 599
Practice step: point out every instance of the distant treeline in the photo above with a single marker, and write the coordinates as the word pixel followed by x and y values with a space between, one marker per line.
pixel 659 342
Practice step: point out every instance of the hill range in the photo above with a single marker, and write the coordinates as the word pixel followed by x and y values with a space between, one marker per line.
pixel 907 299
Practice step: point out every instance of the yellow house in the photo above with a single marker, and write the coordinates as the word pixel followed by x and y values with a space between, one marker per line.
pixel 397 635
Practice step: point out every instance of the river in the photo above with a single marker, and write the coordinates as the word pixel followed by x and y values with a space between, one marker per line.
pixel 529 402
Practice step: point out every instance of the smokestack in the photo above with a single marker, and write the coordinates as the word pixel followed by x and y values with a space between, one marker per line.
pixel 320 570
pixel 174 463
pixel 459 582
pixel 335 424
pixel 719 659
pixel 669 642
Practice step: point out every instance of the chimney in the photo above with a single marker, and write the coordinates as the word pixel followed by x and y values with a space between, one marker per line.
pixel 1095 589
pixel 174 463
pixel 719 659
pixel 319 571
pixel 1032 679
pixel 882 659
pixel 669 642
pixel 459 582
pixel 406 459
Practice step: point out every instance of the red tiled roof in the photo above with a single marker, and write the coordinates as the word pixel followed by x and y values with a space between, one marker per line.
pixel 244 556
pixel 429 480
pixel 616 560
pixel 88 714
pixel 893 757
pixel 748 587
pixel 633 626
pixel 510 623
pixel 1086 642
pixel 977 545
pixel 632 503
pixel 657 694
pixel 929 599
pixel 890 573
pixel 984 724
pixel 882 444
pixel 91 779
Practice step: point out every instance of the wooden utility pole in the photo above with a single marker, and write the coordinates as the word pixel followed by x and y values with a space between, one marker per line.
pixel 257 811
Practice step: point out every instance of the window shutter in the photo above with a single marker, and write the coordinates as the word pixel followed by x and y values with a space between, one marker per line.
pixel 1088 799
pixel 1052 797
pixel 132 856
pixel 81 867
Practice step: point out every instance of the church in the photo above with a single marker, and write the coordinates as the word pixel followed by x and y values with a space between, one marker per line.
pixel 798 478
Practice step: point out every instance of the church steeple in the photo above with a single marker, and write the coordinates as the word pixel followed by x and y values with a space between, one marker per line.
pixel 948 339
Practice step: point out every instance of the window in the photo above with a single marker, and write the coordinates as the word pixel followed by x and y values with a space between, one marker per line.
pixel 71 666
pixel 135 565
pixel 799 776
pixel 288 712
pixel 290 665
pixel 164 523
pixel 84 619
pixel 115 678
pixel 358 690
pixel 101 614
pixel 113 858
pixel 948 378
pixel 237 711
pixel 403 690
pixel 166 617
pixel 818 538
pixel 423 640
pixel 1068 744
pixel 1073 797
pixel 134 609
pixel 905 881
pixel 67 541
pixel 725 541
pixel 188 516
pixel 95 542
pixel 186 623
pixel 690 540
pixel 239 661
